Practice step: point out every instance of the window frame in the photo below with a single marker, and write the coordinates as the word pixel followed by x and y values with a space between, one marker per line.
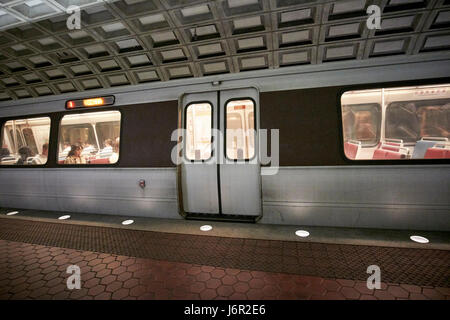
pixel 254 128
pixel 87 165
pixel 185 131
pixel 24 117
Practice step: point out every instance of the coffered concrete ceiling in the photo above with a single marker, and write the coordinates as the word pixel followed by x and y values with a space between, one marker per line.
pixel 125 42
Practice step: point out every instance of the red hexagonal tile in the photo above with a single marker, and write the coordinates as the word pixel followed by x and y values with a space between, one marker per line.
pixel 432 294
pixel 383 295
pixel 218 273
pixel 114 286
pixel 270 290
pixel 411 288
pixel 417 296
pixel 207 268
pixel 398 292
pixel 232 272
pixel 331 285
pixel 244 276
pixel 130 283
pixel 241 287
pixel 204 276
pixel 108 279
pixel 345 282
pixel 256 283
pixel 103 296
pixel 91 283
pixel 194 270
pixel 225 290
pixel 228 280
pixel 332 295
pixel 213 283
pixel 137 291
pixel 197 287
pixel 350 293
pixel 122 293
pixel 96 290
pixel 361 287
pixel 208 294
pixel 367 297
pixel 124 276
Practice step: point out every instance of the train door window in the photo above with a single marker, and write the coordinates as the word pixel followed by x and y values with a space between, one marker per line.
pixel 25 141
pixel 198 131
pixel 89 138
pixel 416 122
pixel 240 129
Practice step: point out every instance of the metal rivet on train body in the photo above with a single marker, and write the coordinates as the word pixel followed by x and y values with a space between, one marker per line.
pixel 302 233
pixel 12 213
pixel 127 222
pixel 419 239
pixel 206 227
pixel 65 217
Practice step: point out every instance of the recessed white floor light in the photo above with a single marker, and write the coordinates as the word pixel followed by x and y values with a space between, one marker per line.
pixel 206 227
pixel 419 239
pixel 65 217
pixel 12 213
pixel 302 233
pixel 127 222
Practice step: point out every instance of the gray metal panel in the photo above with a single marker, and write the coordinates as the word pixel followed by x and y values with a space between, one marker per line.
pixel 95 190
pixel 199 180
pixel 240 183
pixel 400 197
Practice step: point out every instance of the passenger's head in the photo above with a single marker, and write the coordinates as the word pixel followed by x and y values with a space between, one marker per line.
pixel 25 152
pixel 108 143
pixel 75 151
pixel 4 152
pixel 45 149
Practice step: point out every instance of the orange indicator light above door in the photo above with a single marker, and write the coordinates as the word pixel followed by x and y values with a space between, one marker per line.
pixel 93 102
pixel 90 102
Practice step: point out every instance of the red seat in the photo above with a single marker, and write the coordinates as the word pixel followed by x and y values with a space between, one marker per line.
pixel 351 150
pixel 61 162
pixel 100 161
pixel 437 153
pixel 388 152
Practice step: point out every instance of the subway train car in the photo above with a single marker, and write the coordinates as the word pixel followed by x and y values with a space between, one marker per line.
pixel 344 144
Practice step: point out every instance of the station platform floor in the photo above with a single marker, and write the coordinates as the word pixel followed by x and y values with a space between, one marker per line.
pixel 173 259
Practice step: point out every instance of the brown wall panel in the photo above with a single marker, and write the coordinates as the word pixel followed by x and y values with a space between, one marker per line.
pixel 309 125
pixel 146 133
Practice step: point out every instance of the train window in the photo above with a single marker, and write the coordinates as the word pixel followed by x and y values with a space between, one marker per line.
pixel 416 123
pixel 198 131
pixel 240 129
pixel 25 141
pixel 89 138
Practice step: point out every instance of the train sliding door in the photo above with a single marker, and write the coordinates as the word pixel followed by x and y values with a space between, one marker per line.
pixel 219 175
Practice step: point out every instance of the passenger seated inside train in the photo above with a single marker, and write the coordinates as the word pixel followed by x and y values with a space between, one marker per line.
pixel 115 155
pixel 24 153
pixel 107 151
pixel 41 158
pixel 4 152
pixel 74 156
